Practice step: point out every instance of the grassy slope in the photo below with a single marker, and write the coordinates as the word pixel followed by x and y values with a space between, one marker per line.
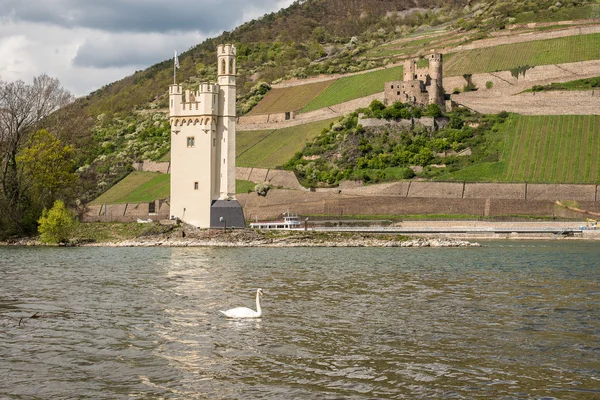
pixel 545 149
pixel 354 87
pixel 289 99
pixel 270 149
pixel 137 187
pixel 505 57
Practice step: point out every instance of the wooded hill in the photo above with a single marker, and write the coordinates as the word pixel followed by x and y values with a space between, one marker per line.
pixel 320 36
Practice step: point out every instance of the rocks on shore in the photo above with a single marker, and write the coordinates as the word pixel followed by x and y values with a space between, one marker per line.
pixel 193 237
pixel 226 240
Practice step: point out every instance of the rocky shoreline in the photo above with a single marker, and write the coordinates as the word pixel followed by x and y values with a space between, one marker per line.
pixel 251 238
pixel 291 243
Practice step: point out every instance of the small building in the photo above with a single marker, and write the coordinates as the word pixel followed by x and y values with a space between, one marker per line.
pixel 420 86
pixel 203 128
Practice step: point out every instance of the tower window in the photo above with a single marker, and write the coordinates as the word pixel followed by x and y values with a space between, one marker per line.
pixel 195 185
pixel 191 141
pixel 214 142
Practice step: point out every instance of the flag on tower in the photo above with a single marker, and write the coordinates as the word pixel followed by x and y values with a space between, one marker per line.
pixel 175 68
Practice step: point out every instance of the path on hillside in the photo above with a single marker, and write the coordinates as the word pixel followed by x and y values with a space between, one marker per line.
pixel 321 114
pixel 505 95
pixel 520 37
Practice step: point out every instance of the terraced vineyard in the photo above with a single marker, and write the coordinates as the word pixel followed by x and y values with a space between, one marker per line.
pixel 270 149
pixel 506 57
pixel 353 87
pixel 556 149
pixel 137 187
pixel 289 99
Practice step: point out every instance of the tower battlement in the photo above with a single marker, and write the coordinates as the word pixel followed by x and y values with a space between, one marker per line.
pixel 204 101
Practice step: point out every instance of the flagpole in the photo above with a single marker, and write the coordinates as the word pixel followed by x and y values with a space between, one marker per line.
pixel 175 69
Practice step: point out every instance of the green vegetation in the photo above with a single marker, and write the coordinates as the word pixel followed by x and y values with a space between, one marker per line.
pixel 57 224
pixel 246 102
pixel 114 231
pixel 556 14
pixel 509 56
pixel 137 187
pixel 542 149
pixel 556 149
pixel 580 84
pixel 242 186
pixel 407 48
pixel 290 99
pixel 270 149
pixel 348 151
pixel 354 87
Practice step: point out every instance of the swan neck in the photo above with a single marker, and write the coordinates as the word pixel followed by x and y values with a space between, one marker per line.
pixel 258 310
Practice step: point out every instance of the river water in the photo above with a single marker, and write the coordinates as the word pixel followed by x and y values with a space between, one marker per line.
pixel 507 320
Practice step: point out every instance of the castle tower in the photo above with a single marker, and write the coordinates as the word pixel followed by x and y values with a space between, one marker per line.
pixel 203 150
pixel 409 70
pixel 436 89
pixel 227 84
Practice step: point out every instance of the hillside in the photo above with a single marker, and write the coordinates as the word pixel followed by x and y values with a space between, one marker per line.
pixel 325 38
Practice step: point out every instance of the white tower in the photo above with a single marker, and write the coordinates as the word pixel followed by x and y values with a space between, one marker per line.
pixel 226 74
pixel 203 150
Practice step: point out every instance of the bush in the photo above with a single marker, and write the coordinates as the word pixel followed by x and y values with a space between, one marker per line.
pixel 57 225
pixel 262 189
pixel 489 84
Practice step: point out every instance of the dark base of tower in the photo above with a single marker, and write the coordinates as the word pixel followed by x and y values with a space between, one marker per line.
pixel 227 214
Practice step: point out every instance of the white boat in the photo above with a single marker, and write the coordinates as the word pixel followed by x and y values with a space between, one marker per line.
pixel 290 221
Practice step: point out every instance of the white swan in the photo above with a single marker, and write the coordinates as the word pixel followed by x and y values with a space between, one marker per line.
pixel 245 312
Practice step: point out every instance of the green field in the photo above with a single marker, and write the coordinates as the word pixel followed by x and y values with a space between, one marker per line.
pixel 242 186
pixel 354 87
pixel 270 149
pixel 137 187
pixel 509 56
pixel 544 149
pixel 292 98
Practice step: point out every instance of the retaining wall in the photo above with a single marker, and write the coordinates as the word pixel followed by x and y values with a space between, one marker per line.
pixel 129 212
pixel 153 166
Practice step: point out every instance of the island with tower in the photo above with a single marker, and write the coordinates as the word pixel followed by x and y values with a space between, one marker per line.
pixel 203 129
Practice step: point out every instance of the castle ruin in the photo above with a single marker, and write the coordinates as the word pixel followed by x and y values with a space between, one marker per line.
pixel 420 86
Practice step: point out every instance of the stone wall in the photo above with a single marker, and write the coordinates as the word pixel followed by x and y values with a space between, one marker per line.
pixel 561 192
pixel 125 212
pixel 152 166
pixel 402 198
pixel 266 118
pixel 436 190
pixel 493 190
pixel 395 198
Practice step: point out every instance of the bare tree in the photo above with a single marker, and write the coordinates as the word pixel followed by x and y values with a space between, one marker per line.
pixel 22 108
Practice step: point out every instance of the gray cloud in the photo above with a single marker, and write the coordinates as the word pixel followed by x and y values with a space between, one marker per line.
pixel 138 15
pixel 110 50
pixel 89 43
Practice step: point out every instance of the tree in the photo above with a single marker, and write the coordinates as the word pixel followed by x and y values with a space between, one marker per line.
pixel 23 108
pixel 57 225
pixel 48 168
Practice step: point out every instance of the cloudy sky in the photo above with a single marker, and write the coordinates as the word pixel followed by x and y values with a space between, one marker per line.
pixel 89 43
